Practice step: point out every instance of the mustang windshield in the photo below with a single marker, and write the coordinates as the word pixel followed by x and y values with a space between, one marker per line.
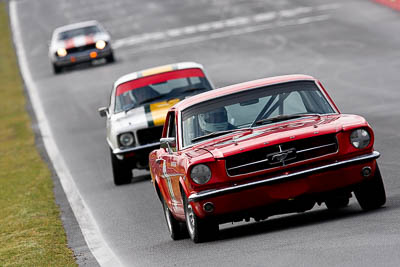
pixel 252 108
pixel 157 88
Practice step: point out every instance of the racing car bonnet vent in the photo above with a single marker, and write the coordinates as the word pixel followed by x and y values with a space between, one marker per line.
pixel 149 135
pixel 281 155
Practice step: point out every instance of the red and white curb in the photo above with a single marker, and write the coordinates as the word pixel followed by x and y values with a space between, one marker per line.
pixel 395 4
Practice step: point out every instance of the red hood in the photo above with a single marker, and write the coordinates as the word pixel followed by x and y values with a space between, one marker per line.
pixel 239 142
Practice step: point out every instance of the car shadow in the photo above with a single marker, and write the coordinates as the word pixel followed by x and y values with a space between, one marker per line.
pixel 85 66
pixel 140 178
pixel 291 221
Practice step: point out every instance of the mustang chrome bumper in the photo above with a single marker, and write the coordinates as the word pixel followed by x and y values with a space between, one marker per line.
pixel 281 178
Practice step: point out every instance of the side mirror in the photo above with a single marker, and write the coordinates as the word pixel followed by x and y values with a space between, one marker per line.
pixel 103 111
pixel 168 143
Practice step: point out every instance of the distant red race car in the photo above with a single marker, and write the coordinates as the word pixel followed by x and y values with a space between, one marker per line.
pixel 261 148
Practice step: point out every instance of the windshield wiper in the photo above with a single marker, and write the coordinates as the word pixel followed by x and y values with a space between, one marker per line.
pixel 283 118
pixel 214 134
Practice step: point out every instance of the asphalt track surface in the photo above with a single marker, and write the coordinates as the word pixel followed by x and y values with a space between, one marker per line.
pixel 352 46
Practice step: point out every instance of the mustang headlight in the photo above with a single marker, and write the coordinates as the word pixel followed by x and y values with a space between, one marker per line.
pixel 126 139
pixel 360 138
pixel 200 174
pixel 61 52
pixel 101 44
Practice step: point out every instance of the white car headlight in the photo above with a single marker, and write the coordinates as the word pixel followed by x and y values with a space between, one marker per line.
pixel 101 44
pixel 126 139
pixel 61 52
pixel 360 138
pixel 200 174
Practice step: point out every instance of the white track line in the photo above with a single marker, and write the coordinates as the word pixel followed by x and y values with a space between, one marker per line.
pixel 90 230
pixel 220 25
pixel 225 34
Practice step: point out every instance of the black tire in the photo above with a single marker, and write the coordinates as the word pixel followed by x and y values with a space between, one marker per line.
pixel 176 228
pixel 56 69
pixel 371 193
pixel 110 58
pixel 336 203
pixel 121 171
pixel 200 230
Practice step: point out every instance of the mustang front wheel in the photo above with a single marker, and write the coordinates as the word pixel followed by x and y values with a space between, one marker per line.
pixel 371 193
pixel 199 230
pixel 121 171
pixel 176 228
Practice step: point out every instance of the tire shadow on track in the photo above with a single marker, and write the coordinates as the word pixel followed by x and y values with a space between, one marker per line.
pixel 292 221
pixel 141 178
pixel 86 66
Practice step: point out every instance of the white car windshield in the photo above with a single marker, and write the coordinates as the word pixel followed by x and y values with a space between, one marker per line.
pixel 252 108
pixel 148 90
pixel 78 32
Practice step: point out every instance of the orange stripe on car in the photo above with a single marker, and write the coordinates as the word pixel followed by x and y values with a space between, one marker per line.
pixel 159 110
pixel 156 70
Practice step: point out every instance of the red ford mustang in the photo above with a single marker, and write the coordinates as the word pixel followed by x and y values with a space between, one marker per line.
pixel 261 148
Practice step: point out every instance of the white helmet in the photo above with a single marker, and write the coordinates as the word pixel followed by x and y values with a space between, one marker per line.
pixel 214 120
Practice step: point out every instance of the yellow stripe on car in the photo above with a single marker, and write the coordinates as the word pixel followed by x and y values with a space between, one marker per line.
pixel 159 110
pixel 157 70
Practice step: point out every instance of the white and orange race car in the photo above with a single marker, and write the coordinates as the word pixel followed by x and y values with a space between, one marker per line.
pixel 138 106
pixel 79 42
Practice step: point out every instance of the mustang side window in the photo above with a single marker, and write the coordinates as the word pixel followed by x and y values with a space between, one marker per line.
pixel 189 130
pixel 171 131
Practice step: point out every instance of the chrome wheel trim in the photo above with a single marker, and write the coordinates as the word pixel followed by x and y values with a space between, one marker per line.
pixel 168 218
pixel 190 219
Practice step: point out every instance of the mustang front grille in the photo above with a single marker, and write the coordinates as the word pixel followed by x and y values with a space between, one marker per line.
pixel 149 135
pixel 281 155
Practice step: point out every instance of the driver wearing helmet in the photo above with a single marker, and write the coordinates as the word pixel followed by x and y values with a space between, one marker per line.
pixel 214 121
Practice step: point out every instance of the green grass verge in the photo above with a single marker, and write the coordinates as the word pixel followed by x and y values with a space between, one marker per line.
pixel 31 231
